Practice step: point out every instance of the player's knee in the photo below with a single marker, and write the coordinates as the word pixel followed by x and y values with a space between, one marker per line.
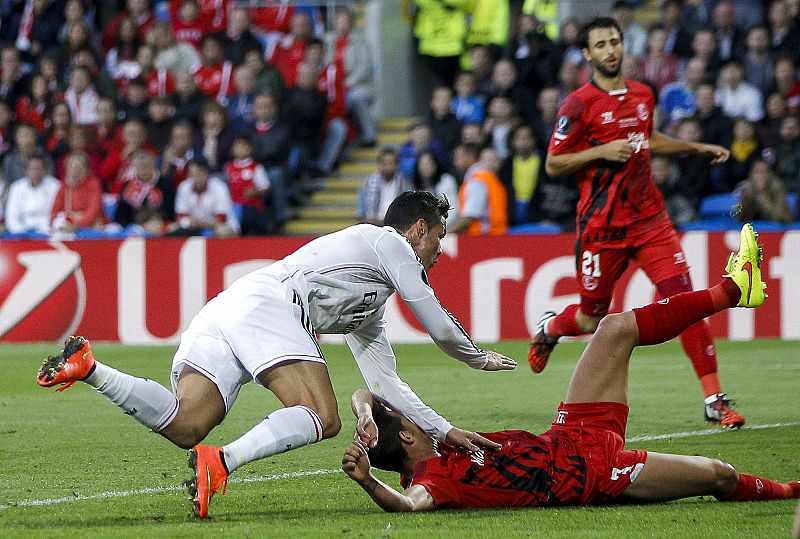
pixel 725 476
pixel 187 435
pixel 331 425
pixel 612 325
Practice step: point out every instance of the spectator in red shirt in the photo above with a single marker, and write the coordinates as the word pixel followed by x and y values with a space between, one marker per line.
pixel 186 22
pixel 35 107
pixel 78 203
pixel 290 51
pixel 118 166
pixel 330 82
pixel 139 11
pixel 159 80
pixel 214 77
pixel 79 140
pixel 786 82
pixel 249 184
pixel 107 131
pixel 140 190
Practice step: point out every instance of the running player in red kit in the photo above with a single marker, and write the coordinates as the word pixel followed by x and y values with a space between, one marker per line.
pixel 604 137
pixel 581 460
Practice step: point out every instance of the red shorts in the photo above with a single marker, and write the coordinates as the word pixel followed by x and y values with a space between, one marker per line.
pixel 597 430
pixel 658 253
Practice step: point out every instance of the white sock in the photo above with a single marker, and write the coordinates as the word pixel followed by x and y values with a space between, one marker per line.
pixel 148 402
pixel 281 431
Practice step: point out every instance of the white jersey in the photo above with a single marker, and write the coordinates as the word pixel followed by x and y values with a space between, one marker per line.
pixel 344 279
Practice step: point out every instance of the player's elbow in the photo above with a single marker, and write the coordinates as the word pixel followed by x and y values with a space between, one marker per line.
pixel 551 169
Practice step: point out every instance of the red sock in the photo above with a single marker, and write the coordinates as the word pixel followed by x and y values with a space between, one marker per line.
pixel 669 317
pixel 752 488
pixel 564 324
pixel 699 347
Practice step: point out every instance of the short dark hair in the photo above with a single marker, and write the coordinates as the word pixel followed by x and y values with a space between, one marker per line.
pixel 411 206
pixel 594 24
pixel 389 453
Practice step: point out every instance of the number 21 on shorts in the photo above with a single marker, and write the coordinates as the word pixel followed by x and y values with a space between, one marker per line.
pixel 590 265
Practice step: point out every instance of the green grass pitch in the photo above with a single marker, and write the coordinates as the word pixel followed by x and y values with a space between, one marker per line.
pixel 73 465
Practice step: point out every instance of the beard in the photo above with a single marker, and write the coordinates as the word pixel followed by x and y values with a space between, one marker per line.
pixel 606 71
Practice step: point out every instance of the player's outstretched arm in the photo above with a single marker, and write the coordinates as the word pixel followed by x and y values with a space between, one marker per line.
pixel 662 144
pixel 356 465
pixel 498 362
pixel 557 165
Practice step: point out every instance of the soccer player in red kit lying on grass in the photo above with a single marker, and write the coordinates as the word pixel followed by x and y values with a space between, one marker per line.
pixel 581 460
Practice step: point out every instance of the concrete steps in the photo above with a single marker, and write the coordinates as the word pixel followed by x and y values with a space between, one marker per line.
pixel 333 207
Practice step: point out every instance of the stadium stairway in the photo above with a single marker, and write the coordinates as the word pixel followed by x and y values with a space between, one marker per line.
pixel 334 206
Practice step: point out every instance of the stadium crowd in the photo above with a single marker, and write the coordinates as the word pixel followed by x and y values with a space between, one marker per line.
pixel 723 72
pixel 178 117
pixel 187 117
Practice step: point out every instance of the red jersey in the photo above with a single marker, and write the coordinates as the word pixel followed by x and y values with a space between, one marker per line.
pixel 243 176
pixel 272 19
pixel 287 57
pixel 188 32
pixel 33 113
pixel 213 14
pixel 617 199
pixel 581 460
pixel 215 81
pixel 331 83
pixel 160 82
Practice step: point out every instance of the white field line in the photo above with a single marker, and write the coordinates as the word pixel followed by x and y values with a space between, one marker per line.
pixel 293 475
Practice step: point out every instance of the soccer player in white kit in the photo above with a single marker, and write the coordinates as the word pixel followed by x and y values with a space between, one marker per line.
pixel 263 328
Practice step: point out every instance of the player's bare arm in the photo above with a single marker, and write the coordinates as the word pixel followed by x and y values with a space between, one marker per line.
pixel 367 433
pixel 355 464
pixel 617 151
pixel 662 144
pixel 366 429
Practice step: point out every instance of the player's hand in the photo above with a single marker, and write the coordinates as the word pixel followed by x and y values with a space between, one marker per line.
pixel 471 441
pixel 366 431
pixel 718 154
pixel 355 462
pixel 499 362
pixel 618 151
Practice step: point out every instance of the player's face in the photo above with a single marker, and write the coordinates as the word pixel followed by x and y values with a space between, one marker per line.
pixel 605 51
pixel 427 242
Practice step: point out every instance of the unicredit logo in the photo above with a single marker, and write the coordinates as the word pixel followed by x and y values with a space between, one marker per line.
pixel 42 292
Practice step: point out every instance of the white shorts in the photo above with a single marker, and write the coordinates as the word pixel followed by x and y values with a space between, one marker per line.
pixel 241 333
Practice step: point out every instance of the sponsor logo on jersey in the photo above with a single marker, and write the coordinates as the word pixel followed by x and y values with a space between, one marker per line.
pixel 679 258
pixel 477 457
pixel 360 313
pixel 589 282
pixel 561 418
pixel 639 141
pixel 562 127
pixel 642 112
pixel 608 117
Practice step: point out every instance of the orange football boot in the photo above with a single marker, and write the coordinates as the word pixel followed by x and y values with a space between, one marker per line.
pixel 210 474
pixel 74 363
